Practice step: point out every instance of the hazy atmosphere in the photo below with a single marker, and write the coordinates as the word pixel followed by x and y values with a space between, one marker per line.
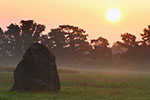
pixel 74 50
pixel 87 14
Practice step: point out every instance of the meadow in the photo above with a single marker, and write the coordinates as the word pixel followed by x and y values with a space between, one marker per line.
pixel 85 85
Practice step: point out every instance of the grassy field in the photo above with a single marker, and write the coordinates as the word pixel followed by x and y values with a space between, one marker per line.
pixel 85 85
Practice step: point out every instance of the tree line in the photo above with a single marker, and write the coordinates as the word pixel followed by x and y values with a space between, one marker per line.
pixel 71 42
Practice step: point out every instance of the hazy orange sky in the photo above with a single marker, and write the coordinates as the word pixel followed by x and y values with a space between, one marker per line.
pixel 87 14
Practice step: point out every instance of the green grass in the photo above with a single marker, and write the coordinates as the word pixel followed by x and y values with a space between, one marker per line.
pixel 81 85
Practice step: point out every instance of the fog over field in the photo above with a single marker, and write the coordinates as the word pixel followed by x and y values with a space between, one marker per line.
pixel 74 50
pixel 95 68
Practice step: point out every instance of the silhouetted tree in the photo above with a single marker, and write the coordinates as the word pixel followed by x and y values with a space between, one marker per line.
pixel 118 48
pixel 129 40
pixel 13 41
pixel 100 48
pixel 146 36
pixel 17 38
pixel 30 32
pixel 1 31
pixel 45 39
pixel 145 46
pixel 77 43
pixel 58 40
pixel 9 41
pixel 1 42
pixel 72 42
pixel 134 54
pixel 69 39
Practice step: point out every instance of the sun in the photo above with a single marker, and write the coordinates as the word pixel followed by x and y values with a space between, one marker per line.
pixel 113 14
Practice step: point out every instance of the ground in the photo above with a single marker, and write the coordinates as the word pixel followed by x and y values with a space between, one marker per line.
pixel 85 85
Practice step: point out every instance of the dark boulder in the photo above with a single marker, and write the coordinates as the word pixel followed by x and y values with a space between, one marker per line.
pixel 37 71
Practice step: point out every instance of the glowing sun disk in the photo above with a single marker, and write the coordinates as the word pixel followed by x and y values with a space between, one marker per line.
pixel 113 14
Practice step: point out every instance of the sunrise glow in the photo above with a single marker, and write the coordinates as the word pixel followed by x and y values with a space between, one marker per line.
pixel 113 15
pixel 97 17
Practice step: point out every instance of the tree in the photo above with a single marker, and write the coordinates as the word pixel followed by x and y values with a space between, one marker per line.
pixel 58 39
pixel 129 40
pixel 69 39
pixel 146 36
pixel 1 31
pixel 45 39
pixel 134 53
pixel 1 42
pixel 18 38
pixel 12 40
pixel 118 49
pixel 76 40
pixel 30 32
pixel 100 48
pixel 145 45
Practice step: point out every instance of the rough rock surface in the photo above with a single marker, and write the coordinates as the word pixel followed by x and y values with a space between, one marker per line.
pixel 37 71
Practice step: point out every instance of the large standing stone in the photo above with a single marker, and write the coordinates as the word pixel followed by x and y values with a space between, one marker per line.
pixel 37 71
